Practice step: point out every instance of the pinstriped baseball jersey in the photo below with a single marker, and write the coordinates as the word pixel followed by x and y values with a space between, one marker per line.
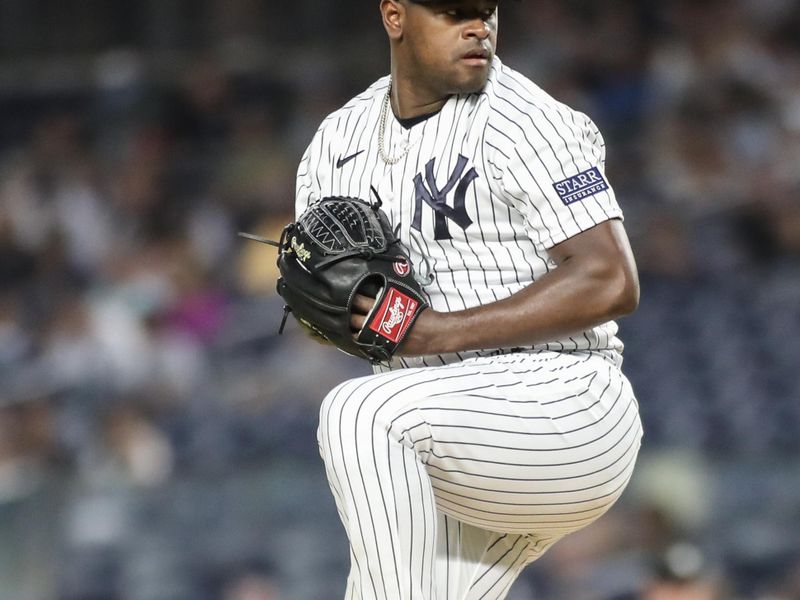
pixel 482 189
pixel 452 473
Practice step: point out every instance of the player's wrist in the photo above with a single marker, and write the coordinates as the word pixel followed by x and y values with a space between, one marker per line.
pixel 430 334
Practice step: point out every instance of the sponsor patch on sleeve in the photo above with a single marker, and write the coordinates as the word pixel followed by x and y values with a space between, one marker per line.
pixel 580 186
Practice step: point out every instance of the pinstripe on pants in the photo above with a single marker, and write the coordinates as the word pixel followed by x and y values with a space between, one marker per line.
pixel 449 480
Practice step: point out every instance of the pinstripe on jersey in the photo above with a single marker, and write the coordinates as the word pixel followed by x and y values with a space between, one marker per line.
pixel 520 141
pixel 451 473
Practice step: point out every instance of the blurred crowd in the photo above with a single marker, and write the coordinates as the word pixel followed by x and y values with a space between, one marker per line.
pixel 157 437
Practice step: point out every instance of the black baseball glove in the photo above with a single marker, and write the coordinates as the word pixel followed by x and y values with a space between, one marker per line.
pixel 338 247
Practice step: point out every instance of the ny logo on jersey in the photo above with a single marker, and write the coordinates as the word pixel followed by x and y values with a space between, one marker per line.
pixel 437 198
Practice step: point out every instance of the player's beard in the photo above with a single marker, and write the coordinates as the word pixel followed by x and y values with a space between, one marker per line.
pixel 471 67
pixel 472 82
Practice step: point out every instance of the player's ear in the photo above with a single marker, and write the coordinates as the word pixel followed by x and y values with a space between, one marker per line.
pixel 393 12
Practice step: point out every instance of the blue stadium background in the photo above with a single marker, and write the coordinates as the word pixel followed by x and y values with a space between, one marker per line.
pixel 157 439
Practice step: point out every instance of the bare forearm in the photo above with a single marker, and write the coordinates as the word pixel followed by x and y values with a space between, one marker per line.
pixel 595 281
pixel 563 302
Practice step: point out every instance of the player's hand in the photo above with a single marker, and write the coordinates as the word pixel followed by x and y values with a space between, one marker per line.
pixel 418 341
pixel 360 309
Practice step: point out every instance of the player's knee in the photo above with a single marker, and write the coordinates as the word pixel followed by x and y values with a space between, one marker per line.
pixel 338 402
pixel 329 415
pixel 340 409
pixel 350 416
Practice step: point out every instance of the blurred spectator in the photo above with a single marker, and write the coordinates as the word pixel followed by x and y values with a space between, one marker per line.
pixel 252 582
pixel 27 446
pixel 682 574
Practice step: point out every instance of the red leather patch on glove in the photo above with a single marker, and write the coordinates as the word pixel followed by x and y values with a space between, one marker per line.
pixel 394 315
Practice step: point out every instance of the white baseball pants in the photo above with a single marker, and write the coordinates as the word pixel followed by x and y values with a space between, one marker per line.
pixel 450 480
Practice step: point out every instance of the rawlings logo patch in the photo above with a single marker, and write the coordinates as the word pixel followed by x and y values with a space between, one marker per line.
pixel 401 266
pixel 581 186
pixel 394 315
pixel 300 250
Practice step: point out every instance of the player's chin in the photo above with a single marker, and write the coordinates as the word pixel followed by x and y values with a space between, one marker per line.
pixel 472 77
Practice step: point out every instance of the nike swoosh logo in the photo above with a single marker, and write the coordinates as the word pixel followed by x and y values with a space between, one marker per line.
pixel 343 161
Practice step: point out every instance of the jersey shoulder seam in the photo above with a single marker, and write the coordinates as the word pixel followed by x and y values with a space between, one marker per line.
pixel 536 102
pixel 365 98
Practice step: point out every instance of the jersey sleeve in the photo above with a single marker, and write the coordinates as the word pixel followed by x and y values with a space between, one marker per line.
pixel 556 175
pixel 308 184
